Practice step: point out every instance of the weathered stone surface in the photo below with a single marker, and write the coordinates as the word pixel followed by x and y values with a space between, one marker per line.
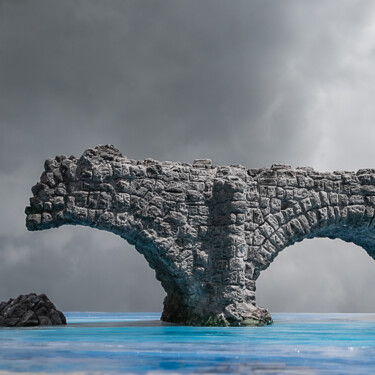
pixel 208 231
pixel 30 310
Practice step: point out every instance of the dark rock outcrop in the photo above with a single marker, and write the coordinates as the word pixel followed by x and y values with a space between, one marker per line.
pixel 207 231
pixel 30 310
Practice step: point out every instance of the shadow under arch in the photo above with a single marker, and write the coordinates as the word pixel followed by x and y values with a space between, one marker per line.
pixel 319 275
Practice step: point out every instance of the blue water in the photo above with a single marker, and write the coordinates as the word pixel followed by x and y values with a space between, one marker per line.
pixel 97 343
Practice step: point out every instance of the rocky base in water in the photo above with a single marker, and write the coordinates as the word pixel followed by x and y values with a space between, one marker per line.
pixel 244 315
pixel 221 321
pixel 30 310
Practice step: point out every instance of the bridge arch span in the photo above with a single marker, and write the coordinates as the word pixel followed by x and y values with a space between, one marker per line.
pixel 351 224
pixel 319 275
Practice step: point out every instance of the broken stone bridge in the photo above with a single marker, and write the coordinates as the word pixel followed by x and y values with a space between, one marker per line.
pixel 207 231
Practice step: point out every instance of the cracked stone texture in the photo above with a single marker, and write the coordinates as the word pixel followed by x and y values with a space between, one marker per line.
pixel 30 310
pixel 207 231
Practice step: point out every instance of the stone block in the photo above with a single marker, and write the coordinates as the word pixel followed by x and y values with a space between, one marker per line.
pixel 264 202
pixel 369 212
pixel 275 205
pixel 297 208
pixel 312 218
pixel 280 193
pixel 299 194
pixel 280 218
pixel 272 220
pixel 33 220
pixel 239 207
pixel 343 199
pixel 324 198
pixel 306 204
pixel 357 199
pixel 123 186
pixel 296 226
pixel 46 218
pixel 355 213
pixel 315 199
pixel 80 213
pixel 236 264
pixel 368 189
pixel 333 199
pixel 322 214
pixel 276 241
pixel 266 230
pixel 289 194
pixel 202 162
pixel 257 216
pixel 121 202
pixel 304 222
pixel 240 219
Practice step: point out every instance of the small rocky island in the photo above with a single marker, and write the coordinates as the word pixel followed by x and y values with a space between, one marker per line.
pixel 30 310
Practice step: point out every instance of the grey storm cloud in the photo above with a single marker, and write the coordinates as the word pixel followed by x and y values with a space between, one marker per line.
pixel 249 82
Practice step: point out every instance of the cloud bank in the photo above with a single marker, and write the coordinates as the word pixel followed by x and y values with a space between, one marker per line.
pixel 249 82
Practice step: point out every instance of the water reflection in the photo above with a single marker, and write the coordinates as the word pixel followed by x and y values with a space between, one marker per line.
pixel 140 343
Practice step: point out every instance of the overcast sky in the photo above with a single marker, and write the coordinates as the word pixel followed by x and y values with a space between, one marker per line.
pixel 249 82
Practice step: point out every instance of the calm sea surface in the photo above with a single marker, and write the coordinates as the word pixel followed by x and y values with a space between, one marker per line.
pixel 97 343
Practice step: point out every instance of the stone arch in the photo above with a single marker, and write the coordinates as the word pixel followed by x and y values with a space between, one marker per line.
pixel 145 204
pixel 346 213
pixel 360 233
pixel 208 231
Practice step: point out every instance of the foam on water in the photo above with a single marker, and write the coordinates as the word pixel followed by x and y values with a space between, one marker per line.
pixel 114 343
